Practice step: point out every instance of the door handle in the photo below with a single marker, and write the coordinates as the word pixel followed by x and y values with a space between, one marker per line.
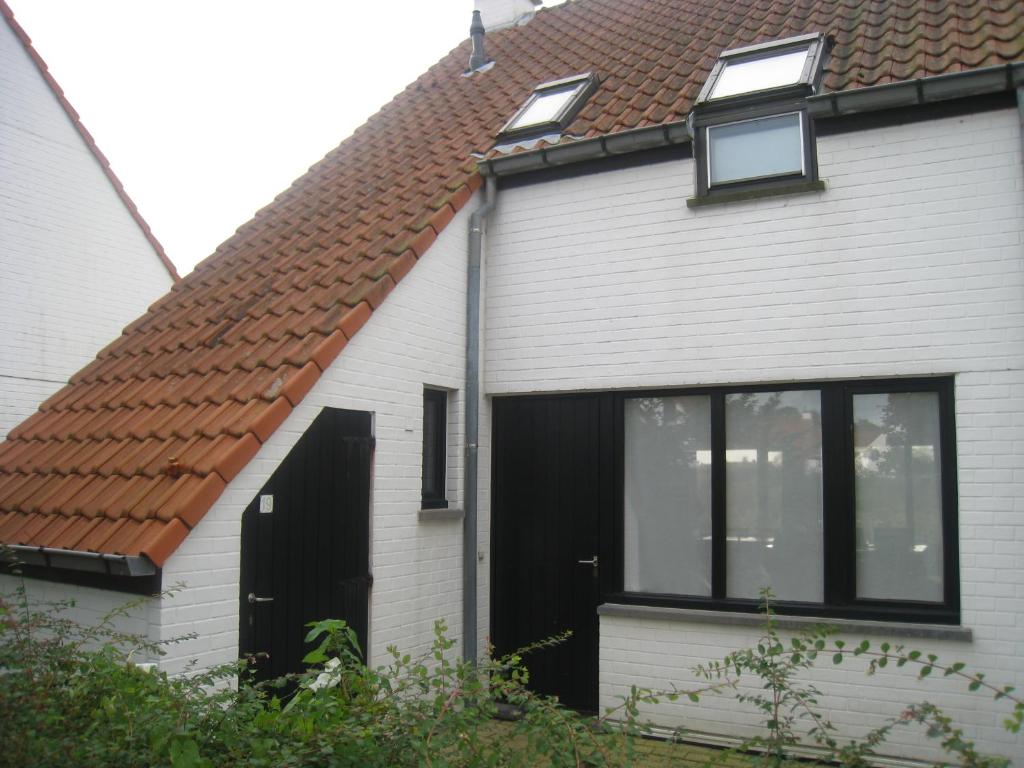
pixel 254 599
pixel 592 561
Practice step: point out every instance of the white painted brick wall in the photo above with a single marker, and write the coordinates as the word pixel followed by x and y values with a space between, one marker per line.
pixel 416 338
pixel 75 267
pixel 135 615
pixel 909 264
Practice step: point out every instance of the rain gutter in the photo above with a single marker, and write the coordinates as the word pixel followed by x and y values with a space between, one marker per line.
pixel 472 436
pixel 92 562
pixel 624 142
pixel 925 90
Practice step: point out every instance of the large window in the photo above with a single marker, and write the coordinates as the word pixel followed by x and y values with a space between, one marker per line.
pixel 839 497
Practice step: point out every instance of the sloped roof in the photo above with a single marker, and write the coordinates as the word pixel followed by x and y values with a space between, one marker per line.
pixel 130 455
pixel 115 182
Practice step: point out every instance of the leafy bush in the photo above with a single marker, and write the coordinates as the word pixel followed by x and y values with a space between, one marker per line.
pixel 785 700
pixel 71 695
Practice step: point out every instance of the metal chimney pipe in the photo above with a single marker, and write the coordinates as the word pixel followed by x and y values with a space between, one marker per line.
pixel 476 34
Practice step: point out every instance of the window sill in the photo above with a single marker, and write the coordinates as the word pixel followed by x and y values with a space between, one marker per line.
pixel 846 626
pixel 797 188
pixel 440 514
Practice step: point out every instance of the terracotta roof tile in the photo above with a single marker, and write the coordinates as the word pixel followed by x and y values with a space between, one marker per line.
pixel 217 364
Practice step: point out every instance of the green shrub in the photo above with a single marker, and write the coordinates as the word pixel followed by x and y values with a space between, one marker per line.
pixel 70 695
pixel 789 705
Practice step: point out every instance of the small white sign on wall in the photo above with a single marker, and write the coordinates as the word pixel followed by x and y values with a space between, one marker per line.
pixel 266 503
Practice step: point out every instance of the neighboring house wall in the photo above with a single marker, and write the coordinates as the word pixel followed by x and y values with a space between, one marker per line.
pixel 416 338
pixel 909 264
pixel 75 266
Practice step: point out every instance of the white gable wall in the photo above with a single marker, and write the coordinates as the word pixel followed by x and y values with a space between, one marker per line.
pixel 909 264
pixel 75 267
pixel 416 338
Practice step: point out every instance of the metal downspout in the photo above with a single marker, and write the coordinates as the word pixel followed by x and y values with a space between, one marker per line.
pixel 1020 116
pixel 469 523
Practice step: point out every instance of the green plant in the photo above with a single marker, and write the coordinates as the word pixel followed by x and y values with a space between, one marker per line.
pixel 789 704
pixel 73 697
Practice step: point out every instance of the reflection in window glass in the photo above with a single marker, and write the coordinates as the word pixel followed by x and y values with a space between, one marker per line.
pixel 546 106
pixel 758 74
pixel 668 495
pixel 771 146
pixel 773 495
pixel 898 496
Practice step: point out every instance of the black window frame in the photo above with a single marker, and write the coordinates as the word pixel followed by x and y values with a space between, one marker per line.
pixel 746 113
pixel 711 112
pixel 838 507
pixel 584 85
pixel 435 452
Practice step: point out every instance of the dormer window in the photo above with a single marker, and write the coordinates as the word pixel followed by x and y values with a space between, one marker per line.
pixel 551 106
pixel 751 129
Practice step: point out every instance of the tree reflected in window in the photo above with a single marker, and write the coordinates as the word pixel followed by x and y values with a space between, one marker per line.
pixel 898 493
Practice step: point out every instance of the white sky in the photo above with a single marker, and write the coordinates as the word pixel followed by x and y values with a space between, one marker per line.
pixel 207 109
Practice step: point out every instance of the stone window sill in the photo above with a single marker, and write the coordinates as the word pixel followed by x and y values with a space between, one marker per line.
pixel 757 193
pixel 440 515
pixel 846 626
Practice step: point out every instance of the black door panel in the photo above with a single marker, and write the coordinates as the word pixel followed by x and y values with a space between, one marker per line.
pixel 308 559
pixel 549 484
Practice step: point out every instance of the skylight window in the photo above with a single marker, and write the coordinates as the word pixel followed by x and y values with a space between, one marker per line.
pixel 545 106
pixel 779 65
pixel 551 106
pixel 746 76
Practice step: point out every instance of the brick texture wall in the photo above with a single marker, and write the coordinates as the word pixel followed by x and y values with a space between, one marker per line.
pixel 416 338
pixel 910 263
pixel 74 266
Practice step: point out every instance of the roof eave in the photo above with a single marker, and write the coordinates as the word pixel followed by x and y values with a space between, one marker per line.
pixel 92 562
pixel 917 92
pixel 624 142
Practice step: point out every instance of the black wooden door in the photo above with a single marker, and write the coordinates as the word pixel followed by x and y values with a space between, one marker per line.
pixel 305 543
pixel 550 479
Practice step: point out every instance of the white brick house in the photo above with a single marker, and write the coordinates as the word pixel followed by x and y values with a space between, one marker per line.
pixel 909 264
pixel 693 380
pixel 79 262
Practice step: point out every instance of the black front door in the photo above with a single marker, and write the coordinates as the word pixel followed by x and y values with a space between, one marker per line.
pixel 550 477
pixel 305 543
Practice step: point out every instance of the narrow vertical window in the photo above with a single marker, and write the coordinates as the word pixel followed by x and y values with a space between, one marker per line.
pixel 668 495
pixel 435 434
pixel 898 493
pixel 773 495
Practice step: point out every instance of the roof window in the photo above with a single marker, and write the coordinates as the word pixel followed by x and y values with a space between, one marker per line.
pixel 551 106
pixel 744 76
pixel 795 61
